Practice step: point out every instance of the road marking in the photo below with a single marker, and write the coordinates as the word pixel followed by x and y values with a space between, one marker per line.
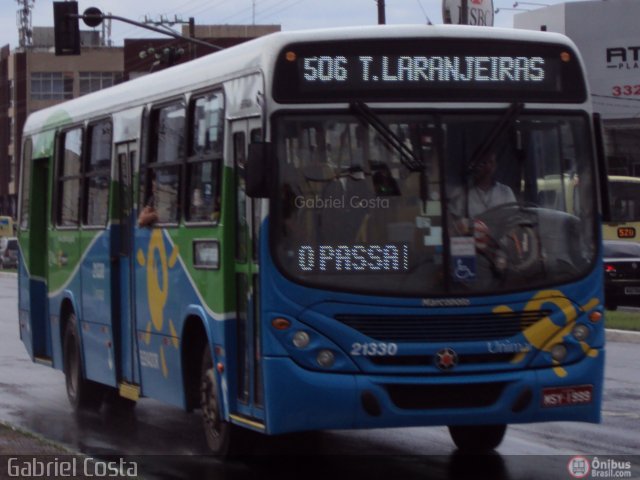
pixel 621 414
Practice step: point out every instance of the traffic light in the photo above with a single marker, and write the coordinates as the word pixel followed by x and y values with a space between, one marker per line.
pixel 66 28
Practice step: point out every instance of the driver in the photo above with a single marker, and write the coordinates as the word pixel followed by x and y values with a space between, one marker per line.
pixel 485 192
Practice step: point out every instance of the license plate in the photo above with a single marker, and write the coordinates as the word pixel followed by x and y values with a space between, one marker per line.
pixel 562 396
pixel 632 290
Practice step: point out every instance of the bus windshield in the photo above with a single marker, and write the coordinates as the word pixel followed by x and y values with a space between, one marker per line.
pixel 415 204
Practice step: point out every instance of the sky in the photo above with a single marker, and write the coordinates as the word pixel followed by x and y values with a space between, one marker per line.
pixel 291 14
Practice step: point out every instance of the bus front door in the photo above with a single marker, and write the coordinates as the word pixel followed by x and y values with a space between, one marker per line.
pixel 128 377
pixel 247 286
pixel 40 328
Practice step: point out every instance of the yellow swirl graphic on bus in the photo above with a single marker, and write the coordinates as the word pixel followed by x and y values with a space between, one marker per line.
pixel 544 334
pixel 157 269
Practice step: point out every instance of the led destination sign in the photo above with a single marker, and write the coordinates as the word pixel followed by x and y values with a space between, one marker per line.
pixel 420 69
pixel 428 69
pixel 353 258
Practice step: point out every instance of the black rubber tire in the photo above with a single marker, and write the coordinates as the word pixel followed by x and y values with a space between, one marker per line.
pixel 216 430
pixel 83 394
pixel 223 438
pixel 477 438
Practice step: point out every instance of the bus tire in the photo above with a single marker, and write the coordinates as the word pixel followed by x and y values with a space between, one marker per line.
pixel 221 436
pixel 83 394
pixel 477 438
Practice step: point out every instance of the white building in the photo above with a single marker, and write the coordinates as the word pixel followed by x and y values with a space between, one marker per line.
pixel 607 33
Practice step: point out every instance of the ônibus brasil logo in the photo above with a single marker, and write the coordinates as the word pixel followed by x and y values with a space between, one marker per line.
pixel 579 467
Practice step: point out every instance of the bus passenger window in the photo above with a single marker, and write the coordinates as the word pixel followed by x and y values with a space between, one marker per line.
pixel 97 175
pixel 205 158
pixel 26 184
pixel 167 141
pixel 69 178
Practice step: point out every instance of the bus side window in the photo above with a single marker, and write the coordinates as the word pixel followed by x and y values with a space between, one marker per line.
pixel 162 173
pixel 97 170
pixel 25 196
pixel 205 158
pixel 256 136
pixel 242 231
pixel 68 178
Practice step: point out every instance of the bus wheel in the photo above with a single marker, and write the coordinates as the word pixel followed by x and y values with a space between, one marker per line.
pixel 217 431
pixel 477 438
pixel 223 438
pixel 82 393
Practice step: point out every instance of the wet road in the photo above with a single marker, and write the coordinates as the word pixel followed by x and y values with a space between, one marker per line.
pixel 33 397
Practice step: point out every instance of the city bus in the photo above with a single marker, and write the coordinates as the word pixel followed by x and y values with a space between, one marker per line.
pixel 325 251
pixel 625 209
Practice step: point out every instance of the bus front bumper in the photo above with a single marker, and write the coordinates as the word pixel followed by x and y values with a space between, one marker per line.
pixel 298 399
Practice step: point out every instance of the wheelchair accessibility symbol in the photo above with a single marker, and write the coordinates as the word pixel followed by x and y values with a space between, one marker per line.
pixel 465 268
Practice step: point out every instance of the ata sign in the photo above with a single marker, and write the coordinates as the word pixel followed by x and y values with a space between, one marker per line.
pixel 479 12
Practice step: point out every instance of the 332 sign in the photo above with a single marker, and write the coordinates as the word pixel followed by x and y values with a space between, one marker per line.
pixel 626 90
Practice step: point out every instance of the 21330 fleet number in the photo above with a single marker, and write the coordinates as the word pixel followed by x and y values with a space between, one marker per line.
pixel 374 349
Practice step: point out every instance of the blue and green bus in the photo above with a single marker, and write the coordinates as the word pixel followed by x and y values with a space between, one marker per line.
pixel 349 231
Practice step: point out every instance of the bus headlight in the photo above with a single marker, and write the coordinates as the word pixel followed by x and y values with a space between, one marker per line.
pixel 559 352
pixel 301 339
pixel 580 332
pixel 326 358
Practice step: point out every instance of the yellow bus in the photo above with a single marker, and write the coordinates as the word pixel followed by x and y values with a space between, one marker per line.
pixel 625 209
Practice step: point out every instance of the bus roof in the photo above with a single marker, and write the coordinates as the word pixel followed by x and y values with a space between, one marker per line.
pixel 257 55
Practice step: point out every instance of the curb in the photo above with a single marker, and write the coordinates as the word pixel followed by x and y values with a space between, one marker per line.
pixel 626 336
pixel 8 274
pixel 37 443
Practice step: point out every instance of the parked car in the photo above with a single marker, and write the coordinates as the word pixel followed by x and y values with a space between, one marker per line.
pixel 621 273
pixel 9 253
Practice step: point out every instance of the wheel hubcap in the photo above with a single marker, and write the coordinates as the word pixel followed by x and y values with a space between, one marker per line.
pixel 72 382
pixel 209 403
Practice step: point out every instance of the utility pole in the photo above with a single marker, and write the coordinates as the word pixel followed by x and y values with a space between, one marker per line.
pixel 464 12
pixel 381 13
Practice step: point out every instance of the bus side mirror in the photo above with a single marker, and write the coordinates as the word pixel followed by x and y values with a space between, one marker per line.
pixel 260 172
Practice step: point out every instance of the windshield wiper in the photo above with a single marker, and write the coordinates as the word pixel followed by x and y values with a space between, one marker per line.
pixel 407 157
pixel 489 142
